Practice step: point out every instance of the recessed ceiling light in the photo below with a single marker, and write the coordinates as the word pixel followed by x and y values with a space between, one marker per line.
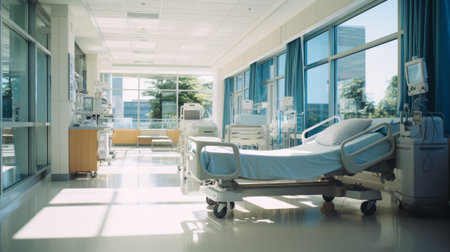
pixel 143 15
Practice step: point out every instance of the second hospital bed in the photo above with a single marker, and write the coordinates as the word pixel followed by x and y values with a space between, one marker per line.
pixel 228 174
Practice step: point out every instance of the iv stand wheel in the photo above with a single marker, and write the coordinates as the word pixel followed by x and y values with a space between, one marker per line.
pixel 368 207
pixel 210 202
pixel 327 198
pixel 220 210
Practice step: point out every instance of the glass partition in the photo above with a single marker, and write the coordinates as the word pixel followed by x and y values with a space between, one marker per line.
pixel 14 76
pixel 14 156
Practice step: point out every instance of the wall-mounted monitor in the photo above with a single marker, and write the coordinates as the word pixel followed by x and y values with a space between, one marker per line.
pixel 416 76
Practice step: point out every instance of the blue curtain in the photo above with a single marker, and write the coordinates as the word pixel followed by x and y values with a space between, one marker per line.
pixel 253 88
pixel 294 74
pixel 228 90
pixel 427 34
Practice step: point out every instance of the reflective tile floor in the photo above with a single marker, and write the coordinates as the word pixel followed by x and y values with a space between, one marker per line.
pixel 136 204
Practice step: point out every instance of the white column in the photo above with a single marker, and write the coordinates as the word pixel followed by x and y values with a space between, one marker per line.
pixel 92 74
pixel 62 43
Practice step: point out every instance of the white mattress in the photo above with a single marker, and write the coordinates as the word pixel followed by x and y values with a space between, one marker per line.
pixel 306 161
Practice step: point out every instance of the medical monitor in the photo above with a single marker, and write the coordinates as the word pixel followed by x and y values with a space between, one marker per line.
pixel 416 76
pixel 88 104
pixel 192 115
pixel 191 111
pixel 247 106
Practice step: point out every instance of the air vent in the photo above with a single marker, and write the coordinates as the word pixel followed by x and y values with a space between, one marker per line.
pixel 143 15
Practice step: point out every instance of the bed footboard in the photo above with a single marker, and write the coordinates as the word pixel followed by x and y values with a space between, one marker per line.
pixel 194 164
pixel 348 159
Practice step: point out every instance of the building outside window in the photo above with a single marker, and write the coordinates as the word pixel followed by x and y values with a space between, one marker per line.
pixel 356 61
pixel 146 101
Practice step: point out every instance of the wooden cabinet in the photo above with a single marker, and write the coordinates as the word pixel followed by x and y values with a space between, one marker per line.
pixel 83 148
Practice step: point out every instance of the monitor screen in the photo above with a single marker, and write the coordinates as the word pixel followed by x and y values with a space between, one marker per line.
pixel 88 105
pixel 414 72
pixel 192 114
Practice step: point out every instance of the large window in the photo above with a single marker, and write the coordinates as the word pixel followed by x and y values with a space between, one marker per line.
pixel 241 92
pixel 270 87
pixel 351 68
pixel 25 92
pixel 317 97
pixel 145 101
pixel 367 83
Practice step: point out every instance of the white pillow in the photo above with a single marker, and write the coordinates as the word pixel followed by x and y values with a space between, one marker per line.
pixel 338 132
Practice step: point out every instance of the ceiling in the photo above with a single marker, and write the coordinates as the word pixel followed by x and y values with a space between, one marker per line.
pixel 164 32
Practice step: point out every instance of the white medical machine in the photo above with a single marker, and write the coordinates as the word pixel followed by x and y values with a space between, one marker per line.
pixel 192 124
pixel 248 130
pixel 422 163
pixel 288 121
pixel 422 149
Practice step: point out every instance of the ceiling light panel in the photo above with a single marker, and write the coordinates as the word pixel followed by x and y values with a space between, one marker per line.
pixel 143 45
pixel 142 15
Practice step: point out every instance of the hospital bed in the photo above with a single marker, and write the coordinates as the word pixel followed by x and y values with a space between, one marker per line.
pixel 228 174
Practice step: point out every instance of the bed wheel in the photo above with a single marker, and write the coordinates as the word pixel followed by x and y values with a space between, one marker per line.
pixel 368 207
pixel 210 202
pixel 232 205
pixel 220 210
pixel 93 174
pixel 327 198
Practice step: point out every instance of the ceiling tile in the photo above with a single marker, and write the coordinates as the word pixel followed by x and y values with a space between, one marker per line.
pixel 211 8
pixel 188 32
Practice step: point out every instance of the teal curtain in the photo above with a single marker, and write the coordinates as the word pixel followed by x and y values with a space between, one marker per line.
pixel 426 32
pixel 253 88
pixel 294 75
pixel 228 90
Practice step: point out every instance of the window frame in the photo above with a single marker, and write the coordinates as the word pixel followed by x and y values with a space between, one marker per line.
pixel 333 56
pixel 34 170
pixel 139 89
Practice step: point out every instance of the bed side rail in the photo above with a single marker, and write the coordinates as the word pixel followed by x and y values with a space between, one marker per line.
pixel 310 138
pixel 348 160
pixel 194 160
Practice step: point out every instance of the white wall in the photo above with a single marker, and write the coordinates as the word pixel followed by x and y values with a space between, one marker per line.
pixel 290 21
pixel 62 43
